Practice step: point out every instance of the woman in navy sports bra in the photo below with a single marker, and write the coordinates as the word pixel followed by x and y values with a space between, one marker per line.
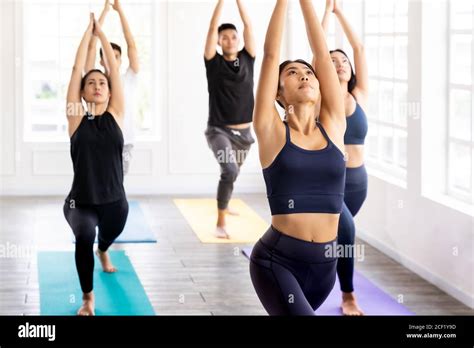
pixel 355 92
pixel 293 266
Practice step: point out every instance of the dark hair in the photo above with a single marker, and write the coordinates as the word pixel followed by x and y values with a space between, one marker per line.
pixel 226 26
pixel 84 79
pixel 114 46
pixel 353 80
pixel 283 66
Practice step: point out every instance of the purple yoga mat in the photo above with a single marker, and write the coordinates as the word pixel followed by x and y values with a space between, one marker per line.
pixel 372 300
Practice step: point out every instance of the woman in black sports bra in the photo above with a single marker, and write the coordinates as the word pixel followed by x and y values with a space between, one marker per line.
pixel 293 266
pixel 97 197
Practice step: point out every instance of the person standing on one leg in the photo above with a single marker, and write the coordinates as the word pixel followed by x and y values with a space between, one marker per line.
pixel 231 101
pixel 97 197
pixel 355 88
pixel 129 79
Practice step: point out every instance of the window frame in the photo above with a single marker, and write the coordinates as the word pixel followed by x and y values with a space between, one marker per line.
pixel 449 190
pixel 395 171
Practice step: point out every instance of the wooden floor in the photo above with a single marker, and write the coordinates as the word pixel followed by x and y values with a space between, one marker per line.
pixel 181 275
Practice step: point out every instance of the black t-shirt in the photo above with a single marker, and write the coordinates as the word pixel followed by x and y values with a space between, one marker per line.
pixel 230 86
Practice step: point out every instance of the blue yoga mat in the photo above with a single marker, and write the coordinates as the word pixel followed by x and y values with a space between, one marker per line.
pixel 119 293
pixel 372 300
pixel 136 229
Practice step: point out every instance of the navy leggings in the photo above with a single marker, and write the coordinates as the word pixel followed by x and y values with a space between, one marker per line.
pixel 83 219
pixel 354 196
pixel 292 276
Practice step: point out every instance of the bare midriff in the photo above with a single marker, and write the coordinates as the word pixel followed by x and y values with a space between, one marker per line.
pixel 310 227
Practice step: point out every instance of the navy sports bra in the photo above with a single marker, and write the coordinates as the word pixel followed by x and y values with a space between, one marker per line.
pixel 357 127
pixel 306 181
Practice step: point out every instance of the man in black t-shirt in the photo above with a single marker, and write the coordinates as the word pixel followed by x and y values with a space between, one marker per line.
pixel 231 100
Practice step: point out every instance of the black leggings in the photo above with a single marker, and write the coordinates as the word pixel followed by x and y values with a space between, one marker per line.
pixel 354 196
pixel 292 276
pixel 83 219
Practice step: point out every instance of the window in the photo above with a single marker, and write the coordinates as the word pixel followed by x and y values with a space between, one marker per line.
pixel 386 43
pixel 52 31
pixel 460 127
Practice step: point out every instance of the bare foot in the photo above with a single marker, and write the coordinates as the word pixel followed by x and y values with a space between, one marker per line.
pixel 220 232
pixel 87 308
pixel 349 305
pixel 105 261
pixel 231 211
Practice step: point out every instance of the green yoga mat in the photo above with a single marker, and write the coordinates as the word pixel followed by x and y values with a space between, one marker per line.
pixel 119 293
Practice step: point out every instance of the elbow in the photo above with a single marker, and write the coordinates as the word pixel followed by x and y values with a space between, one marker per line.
pixel 359 47
pixel 258 126
pixel 325 58
pixel 322 60
pixel 113 70
pixel 135 68
pixel 321 54
pixel 259 121
pixel 77 70
pixel 270 59
pixel 270 54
